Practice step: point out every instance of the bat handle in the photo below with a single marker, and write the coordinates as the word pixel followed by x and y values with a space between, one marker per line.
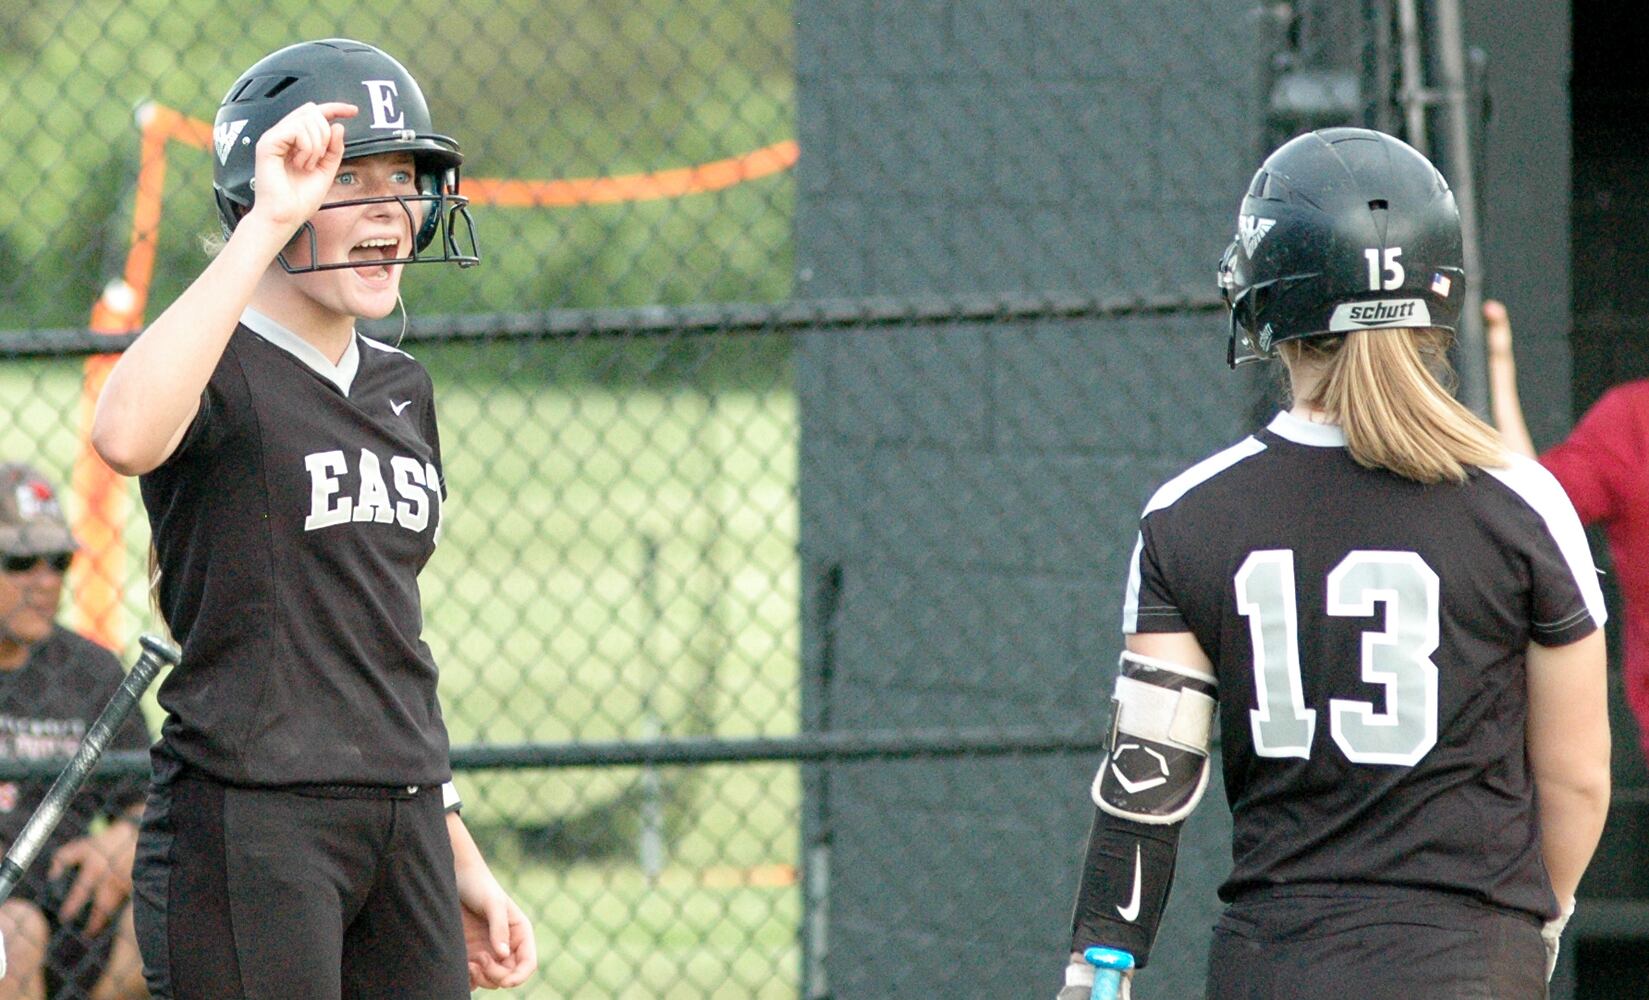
pixel 11 873
pixel 1109 965
pixel 157 653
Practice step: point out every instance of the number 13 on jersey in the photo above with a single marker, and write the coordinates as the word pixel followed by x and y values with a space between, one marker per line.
pixel 1396 657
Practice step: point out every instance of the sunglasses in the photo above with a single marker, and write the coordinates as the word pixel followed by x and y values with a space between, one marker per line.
pixel 58 561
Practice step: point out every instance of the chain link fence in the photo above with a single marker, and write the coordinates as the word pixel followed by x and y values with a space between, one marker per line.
pixel 791 427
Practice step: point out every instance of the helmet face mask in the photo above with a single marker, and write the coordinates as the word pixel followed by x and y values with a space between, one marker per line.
pixel 1341 230
pixel 393 117
pixel 428 216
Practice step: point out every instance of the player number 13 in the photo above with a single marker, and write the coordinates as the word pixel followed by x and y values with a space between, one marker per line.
pixel 1396 657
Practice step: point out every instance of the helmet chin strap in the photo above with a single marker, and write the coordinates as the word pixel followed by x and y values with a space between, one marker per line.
pixel 1238 336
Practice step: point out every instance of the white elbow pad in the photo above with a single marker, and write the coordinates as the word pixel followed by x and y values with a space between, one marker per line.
pixel 1156 765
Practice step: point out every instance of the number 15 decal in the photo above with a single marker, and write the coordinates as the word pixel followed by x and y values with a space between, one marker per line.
pixel 1396 657
pixel 1385 271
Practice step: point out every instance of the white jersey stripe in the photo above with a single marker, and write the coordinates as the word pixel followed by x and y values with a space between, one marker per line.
pixel 379 345
pixel 1130 601
pixel 1541 491
pixel 1169 494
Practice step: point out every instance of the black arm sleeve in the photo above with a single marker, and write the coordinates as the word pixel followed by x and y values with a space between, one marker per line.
pixel 1125 880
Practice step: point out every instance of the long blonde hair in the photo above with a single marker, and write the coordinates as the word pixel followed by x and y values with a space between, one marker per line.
pixel 1391 392
pixel 157 617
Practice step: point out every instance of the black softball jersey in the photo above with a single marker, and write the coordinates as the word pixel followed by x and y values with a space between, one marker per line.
pixel 291 524
pixel 1370 635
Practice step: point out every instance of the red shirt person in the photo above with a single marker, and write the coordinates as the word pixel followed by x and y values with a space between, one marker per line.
pixel 1604 467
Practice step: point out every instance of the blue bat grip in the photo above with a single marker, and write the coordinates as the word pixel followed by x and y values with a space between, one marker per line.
pixel 1110 964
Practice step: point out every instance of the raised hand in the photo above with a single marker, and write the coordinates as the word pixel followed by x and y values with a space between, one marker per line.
pixel 296 161
pixel 1504 402
pixel 1497 329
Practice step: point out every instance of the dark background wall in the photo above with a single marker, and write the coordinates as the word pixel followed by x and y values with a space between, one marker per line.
pixel 1523 162
pixel 969 490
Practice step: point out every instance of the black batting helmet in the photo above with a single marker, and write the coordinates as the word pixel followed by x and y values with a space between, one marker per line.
pixel 393 117
pixel 1342 229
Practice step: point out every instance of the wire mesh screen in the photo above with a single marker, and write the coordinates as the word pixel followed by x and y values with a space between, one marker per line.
pixel 777 297
pixel 630 153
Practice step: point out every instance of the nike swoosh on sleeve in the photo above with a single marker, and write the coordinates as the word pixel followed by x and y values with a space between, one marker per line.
pixel 398 407
pixel 1131 912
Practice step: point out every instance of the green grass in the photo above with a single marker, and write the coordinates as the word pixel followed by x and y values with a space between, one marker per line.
pixel 552 623
pixel 603 931
pixel 671 941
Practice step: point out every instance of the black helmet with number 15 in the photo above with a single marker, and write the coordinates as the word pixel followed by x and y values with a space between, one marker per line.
pixel 393 117
pixel 1342 229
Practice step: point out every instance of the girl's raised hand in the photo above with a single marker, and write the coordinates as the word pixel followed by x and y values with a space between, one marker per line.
pixel 296 162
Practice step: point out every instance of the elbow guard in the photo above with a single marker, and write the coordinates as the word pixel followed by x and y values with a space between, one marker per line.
pixel 1155 770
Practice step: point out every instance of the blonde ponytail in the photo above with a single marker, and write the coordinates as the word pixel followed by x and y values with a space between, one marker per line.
pixel 1390 391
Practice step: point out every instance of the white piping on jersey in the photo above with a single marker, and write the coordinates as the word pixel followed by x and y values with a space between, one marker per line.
pixel 381 346
pixel 1541 491
pixel 1291 428
pixel 1169 494
pixel 1525 477
pixel 341 374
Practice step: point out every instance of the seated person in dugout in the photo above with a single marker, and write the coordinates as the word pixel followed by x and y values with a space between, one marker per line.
pixel 68 928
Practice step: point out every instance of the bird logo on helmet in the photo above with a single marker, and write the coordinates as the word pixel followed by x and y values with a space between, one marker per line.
pixel 394 118
pixel 1341 229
